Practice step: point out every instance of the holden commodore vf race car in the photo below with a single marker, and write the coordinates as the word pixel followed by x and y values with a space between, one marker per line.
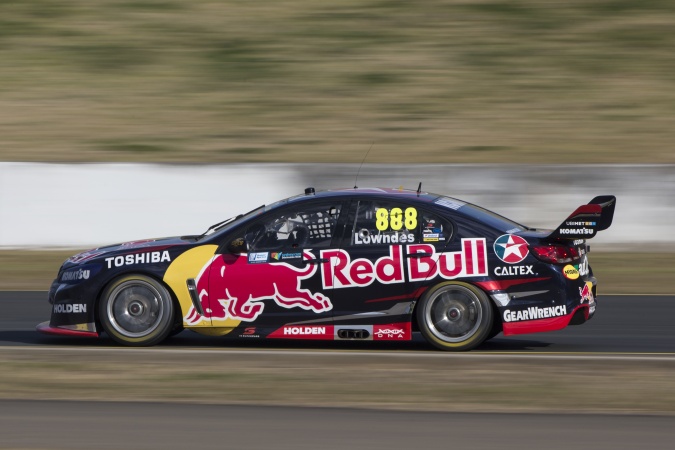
pixel 351 264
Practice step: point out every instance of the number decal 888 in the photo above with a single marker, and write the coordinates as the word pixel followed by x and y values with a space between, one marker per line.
pixel 396 219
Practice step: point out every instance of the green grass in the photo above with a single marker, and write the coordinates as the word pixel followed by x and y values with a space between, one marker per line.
pixel 617 273
pixel 297 80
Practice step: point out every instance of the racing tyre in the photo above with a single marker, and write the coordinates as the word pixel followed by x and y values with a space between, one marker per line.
pixel 455 316
pixel 136 310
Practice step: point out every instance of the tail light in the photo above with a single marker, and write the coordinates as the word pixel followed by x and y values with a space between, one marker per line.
pixel 555 253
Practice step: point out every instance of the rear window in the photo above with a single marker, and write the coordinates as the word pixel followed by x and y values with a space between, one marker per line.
pixel 483 215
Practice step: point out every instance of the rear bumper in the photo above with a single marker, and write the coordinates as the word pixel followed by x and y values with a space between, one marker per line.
pixel 46 328
pixel 579 315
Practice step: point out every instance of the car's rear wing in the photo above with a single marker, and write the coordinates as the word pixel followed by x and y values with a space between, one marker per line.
pixel 588 219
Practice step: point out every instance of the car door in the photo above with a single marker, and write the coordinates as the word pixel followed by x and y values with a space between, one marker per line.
pixel 274 279
pixel 385 244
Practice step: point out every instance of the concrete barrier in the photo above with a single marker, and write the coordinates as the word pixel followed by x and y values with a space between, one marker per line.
pixel 86 205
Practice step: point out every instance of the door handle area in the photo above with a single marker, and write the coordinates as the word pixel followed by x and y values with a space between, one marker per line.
pixel 419 255
pixel 317 261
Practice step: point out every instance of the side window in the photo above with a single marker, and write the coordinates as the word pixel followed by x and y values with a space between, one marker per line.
pixel 309 227
pixel 434 229
pixel 386 223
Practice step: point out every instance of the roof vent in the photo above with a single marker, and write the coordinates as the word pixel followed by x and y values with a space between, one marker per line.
pixel 309 191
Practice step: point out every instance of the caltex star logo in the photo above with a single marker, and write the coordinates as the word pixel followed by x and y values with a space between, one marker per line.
pixel 511 249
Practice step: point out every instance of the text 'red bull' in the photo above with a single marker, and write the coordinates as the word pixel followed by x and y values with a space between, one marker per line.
pixel 339 271
pixel 230 287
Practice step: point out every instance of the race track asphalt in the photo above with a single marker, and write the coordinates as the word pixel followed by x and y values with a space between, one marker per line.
pixel 622 324
pixel 86 425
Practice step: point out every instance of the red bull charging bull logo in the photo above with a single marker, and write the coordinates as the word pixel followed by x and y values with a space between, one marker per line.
pixel 586 293
pixel 231 288
pixel 234 287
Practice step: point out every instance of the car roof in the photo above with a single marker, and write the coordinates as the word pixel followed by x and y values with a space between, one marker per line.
pixel 408 194
pixel 440 203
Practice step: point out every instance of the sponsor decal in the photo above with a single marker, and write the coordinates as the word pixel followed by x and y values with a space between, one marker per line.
pixel 231 288
pixel 394 238
pixel 392 332
pixel 570 272
pixel 470 261
pixel 431 232
pixel 580 224
pixel 450 203
pixel 583 268
pixel 586 293
pixel 249 333
pixel 323 332
pixel 514 270
pixel 74 308
pixel 577 242
pixel 534 313
pixel 588 231
pixel 279 256
pixel 432 235
pixel 75 275
pixel 339 271
pixel 511 249
pixel 257 258
pixel 304 331
pixel 386 332
pixel 138 258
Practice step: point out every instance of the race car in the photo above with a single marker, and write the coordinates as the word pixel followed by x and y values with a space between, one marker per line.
pixel 348 264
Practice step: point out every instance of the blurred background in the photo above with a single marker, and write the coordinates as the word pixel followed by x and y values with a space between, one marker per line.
pixel 438 81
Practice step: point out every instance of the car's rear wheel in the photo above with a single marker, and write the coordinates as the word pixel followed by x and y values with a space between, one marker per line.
pixel 136 310
pixel 455 316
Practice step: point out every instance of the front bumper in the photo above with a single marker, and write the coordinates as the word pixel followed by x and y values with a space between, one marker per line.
pixel 46 328
pixel 73 309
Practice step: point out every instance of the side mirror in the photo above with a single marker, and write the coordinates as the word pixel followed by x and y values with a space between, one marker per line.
pixel 237 245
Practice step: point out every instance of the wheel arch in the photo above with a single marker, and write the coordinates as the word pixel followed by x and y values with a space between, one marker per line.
pixel 475 339
pixel 497 318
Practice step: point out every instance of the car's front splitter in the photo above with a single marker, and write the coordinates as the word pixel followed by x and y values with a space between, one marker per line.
pixel 46 328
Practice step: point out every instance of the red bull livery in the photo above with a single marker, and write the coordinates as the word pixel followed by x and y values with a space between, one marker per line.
pixel 350 264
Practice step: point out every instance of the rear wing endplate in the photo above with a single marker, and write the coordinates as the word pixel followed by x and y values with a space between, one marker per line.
pixel 587 220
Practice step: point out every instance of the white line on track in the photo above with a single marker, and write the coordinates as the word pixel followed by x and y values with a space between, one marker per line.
pixel 357 353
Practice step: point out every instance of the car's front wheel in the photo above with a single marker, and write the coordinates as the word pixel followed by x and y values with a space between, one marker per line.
pixel 136 310
pixel 455 316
